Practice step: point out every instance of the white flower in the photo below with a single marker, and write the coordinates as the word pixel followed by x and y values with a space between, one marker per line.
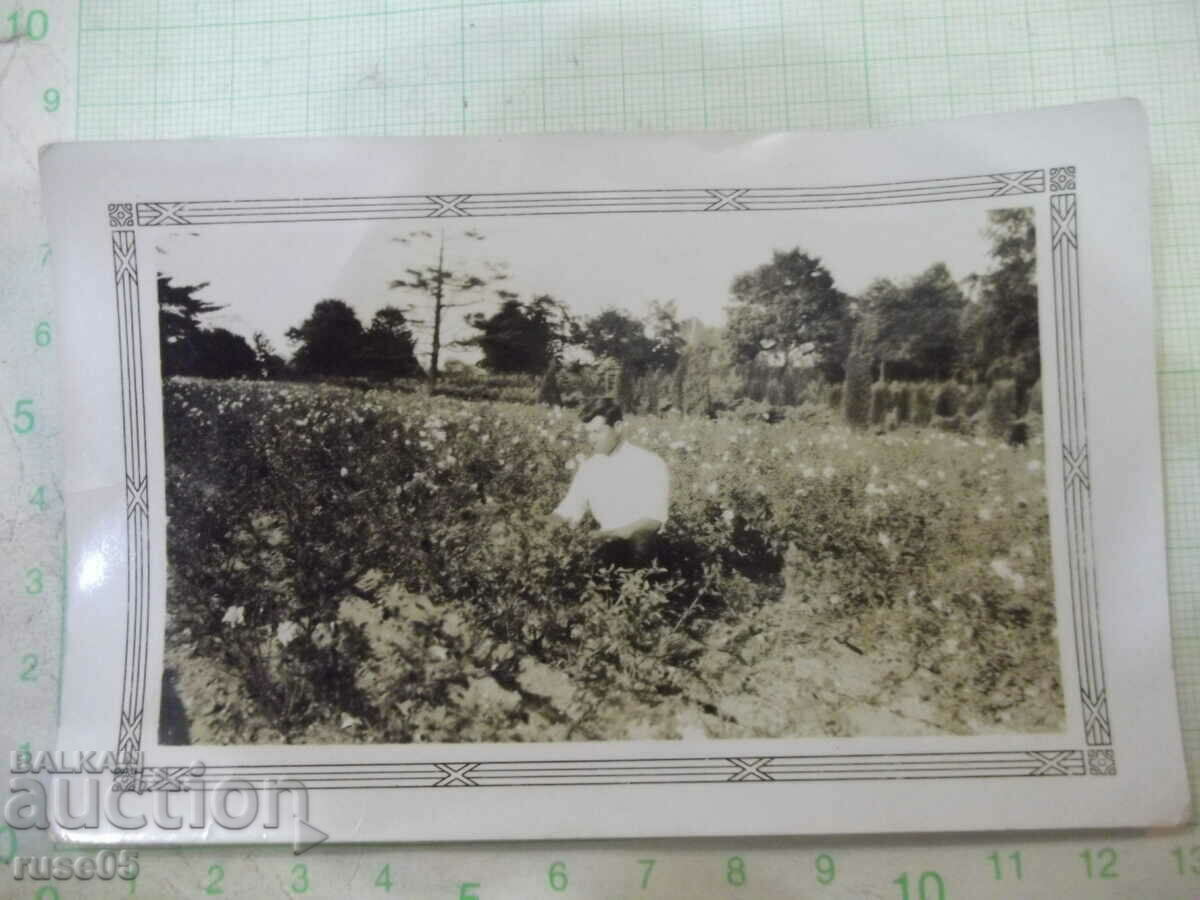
pixel 235 615
pixel 287 632
pixel 712 489
pixel 323 635
pixel 922 483
pixel 345 471
pixel 884 540
pixel 727 515
pixel 1001 568
pixel 828 471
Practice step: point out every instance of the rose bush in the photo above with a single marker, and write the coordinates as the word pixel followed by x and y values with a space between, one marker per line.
pixel 378 564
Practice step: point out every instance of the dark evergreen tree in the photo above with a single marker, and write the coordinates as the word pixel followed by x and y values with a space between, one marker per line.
pixel 856 393
pixel 187 347
pixel 223 354
pixel 519 337
pixel 999 327
pixel 548 390
pixel 615 334
pixel 179 312
pixel 331 341
pixel 666 335
pixel 390 349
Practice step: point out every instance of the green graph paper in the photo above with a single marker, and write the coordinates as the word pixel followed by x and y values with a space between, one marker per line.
pixel 183 68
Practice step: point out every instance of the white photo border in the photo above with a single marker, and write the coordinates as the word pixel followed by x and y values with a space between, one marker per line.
pixel 1057 185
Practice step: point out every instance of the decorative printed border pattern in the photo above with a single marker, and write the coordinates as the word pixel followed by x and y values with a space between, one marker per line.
pixel 1068 324
pixel 554 203
pixel 564 773
pixel 1098 759
pixel 137 506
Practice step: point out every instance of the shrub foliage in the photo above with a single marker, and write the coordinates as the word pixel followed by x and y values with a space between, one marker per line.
pixel 371 564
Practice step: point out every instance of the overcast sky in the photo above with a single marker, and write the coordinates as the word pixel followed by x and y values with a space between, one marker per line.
pixel 269 276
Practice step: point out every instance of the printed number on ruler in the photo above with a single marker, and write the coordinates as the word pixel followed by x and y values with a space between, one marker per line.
pixel 1187 860
pixel 735 871
pixel 1101 863
pixel 300 883
pixel 1006 866
pixel 826 869
pixel 926 886
pixel 33 24
pixel 216 880
pixel 647 869
pixel 23 417
pixel 384 878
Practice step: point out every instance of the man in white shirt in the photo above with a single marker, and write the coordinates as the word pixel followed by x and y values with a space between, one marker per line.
pixel 625 488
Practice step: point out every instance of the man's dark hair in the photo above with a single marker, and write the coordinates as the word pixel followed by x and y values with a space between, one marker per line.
pixel 605 407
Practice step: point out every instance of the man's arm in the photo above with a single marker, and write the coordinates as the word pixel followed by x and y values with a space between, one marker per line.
pixel 574 505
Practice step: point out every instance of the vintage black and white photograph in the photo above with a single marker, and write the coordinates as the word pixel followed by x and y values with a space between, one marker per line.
pixel 761 484
pixel 611 477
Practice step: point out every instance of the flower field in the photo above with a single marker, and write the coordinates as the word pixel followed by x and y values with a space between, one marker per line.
pixel 361 565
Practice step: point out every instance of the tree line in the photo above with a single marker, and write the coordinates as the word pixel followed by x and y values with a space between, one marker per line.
pixel 330 342
pixel 786 315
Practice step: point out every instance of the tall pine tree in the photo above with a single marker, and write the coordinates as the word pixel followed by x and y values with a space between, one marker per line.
pixel 179 326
